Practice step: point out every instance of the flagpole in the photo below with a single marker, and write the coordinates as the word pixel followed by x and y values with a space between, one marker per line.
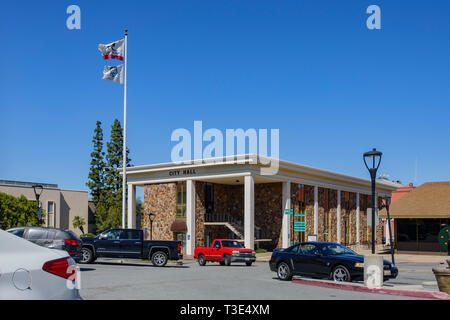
pixel 124 184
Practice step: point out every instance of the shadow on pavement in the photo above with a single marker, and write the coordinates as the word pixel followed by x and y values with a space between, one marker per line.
pixel 137 265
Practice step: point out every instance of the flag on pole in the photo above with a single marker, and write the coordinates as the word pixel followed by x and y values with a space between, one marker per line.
pixel 113 73
pixel 113 50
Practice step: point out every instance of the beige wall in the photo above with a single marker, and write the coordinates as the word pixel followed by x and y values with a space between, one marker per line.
pixel 68 204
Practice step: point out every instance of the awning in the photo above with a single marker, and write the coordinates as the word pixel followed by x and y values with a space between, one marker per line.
pixel 179 225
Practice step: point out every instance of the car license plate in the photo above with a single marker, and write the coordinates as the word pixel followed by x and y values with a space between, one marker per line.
pixel 387 272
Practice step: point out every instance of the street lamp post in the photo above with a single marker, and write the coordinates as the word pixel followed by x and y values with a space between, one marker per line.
pixel 151 217
pixel 375 156
pixel 37 193
pixel 386 204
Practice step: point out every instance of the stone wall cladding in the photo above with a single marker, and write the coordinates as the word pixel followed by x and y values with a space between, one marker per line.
pixel 268 212
pixel 160 199
pixel 199 214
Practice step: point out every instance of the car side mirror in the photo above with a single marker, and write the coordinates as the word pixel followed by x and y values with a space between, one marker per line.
pixel 103 237
pixel 318 254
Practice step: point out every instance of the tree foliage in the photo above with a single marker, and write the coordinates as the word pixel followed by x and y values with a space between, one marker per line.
pixel 96 175
pixel 108 183
pixel 18 212
pixel 78 223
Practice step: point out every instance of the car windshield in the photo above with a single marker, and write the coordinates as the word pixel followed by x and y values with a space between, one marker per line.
pixel 231 244
pixel 335 249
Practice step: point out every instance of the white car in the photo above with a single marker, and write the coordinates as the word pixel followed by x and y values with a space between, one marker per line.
pixel 29 271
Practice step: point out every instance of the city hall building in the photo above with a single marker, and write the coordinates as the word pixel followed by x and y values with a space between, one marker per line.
pixel 231 198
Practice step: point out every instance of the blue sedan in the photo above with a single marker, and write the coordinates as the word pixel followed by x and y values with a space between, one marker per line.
pixel 323 260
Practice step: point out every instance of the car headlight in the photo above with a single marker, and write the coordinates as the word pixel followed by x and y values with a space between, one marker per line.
pixel 235 253
pixel 253 253
pixel 359 265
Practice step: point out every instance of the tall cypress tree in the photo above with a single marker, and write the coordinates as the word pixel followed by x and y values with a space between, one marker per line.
pixel 96 175
pixel 113 178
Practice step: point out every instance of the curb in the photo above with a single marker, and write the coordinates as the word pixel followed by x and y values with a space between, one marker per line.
pixel 360 288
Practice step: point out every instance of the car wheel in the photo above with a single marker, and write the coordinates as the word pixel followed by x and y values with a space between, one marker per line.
pixel 159 259
pixel 227 260
pixel 201 260
pixel 284 272
pixel 87 256
pixel 340 274
pixel 248 264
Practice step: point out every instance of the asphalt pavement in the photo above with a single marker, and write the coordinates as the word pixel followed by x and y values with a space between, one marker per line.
pixel 137 280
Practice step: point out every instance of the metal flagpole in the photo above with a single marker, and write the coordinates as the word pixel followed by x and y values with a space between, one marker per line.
pixel 124 184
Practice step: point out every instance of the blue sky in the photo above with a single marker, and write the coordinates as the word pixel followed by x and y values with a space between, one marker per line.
pixel 309 68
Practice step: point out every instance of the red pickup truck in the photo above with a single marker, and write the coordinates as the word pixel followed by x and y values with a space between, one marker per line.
pixel 225 251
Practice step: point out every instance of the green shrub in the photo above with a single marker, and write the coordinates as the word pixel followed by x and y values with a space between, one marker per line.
pixel 88 235
pixel 260 250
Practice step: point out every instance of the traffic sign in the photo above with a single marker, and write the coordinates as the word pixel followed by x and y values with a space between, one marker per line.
pixel 289 211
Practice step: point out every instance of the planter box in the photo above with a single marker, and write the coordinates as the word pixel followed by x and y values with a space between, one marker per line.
pixel 443 279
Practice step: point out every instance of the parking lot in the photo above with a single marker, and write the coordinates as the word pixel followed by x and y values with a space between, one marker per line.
pixel 108 280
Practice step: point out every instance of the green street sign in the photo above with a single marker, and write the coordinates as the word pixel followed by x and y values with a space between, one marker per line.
pixel 289 211
pixel 444 237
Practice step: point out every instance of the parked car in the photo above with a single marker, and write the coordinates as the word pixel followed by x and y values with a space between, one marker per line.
pixel 129 243
pixel 323 260
pixel 52 238
pixel 225 251
pixel 29 271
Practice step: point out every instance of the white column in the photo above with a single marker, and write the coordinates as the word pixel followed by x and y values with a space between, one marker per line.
pixel 190 217
pixel 316 211
pixel 249 212
pixel 357 219
pixel 286 220
pixel 338 229
pixel 131 206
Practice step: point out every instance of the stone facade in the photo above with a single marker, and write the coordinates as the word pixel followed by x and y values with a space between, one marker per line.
pixel 160 199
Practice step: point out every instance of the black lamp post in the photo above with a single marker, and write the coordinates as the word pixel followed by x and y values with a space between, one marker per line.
pixel 37 193
pixel 386 204
pixel 151 216
pixel 375 157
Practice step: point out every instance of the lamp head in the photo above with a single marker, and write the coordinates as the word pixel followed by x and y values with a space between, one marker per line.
pixel 38 189
pixel 374 159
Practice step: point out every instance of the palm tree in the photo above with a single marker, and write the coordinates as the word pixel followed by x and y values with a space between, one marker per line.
pixel 79 222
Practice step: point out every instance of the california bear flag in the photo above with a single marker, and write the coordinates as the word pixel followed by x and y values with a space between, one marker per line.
pixel 113 50
pixel 113 73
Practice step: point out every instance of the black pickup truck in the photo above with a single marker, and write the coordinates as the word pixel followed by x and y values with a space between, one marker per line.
pixel 129 244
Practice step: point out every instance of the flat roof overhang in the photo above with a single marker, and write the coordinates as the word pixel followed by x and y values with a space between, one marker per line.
pixel 231 169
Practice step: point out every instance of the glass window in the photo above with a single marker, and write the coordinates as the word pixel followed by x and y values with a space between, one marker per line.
pixel 308 249
pixel 112 234
pixel 335 249
pixel 18 232
pixel 231 244
pixel 51 234
pixel 50 207
pixel 181 199
pixel 130 235
pixel 34 234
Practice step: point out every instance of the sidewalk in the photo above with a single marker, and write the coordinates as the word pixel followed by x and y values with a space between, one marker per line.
pixel 406 291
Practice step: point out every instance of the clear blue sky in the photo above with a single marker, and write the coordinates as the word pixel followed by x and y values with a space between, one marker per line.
pixel 310 68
